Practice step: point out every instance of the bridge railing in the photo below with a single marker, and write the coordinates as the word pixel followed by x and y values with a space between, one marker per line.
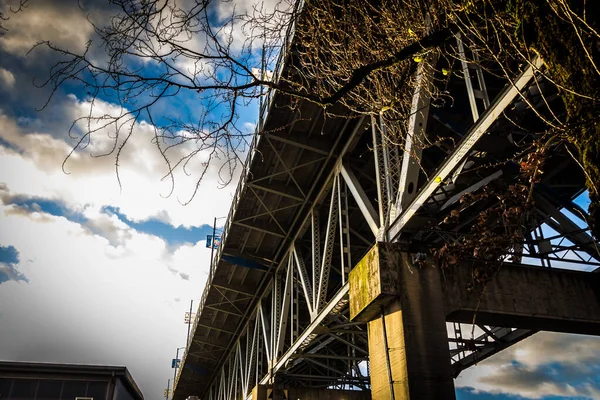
pixel 263 113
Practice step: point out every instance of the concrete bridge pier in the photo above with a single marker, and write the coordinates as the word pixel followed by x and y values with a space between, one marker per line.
pixel 408 343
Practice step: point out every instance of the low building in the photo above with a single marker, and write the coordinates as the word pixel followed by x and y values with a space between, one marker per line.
pixel 44 381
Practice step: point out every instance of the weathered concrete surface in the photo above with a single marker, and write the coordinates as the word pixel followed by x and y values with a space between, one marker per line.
pixel 526 297
pixel 415 327
pixel 372 286
pixel 380 385
pixel 265 392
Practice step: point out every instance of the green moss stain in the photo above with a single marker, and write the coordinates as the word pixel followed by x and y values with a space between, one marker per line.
pixel 361 282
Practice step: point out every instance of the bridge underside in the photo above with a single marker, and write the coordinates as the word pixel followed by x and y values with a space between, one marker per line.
pixel 319 191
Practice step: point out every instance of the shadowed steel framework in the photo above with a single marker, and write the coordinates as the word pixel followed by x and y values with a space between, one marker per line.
pixel 316 196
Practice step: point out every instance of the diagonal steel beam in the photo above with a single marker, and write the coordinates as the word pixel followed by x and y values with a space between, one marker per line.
pixel 304 282
pixel 262 203
pixel 251 217
pixel 212 307
pixel 567 227
pixel 232 290
pixel 287 169
pixel 259 229
pixel 364 204
pixel 277 189
pixel 266 329
pixel 303 145
pixel 215 328
pixel 310 329
pixel 295 167
pixel 503 100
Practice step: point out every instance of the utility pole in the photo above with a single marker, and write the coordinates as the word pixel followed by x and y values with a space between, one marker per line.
pixel 176 366
pixel 167 390
pixel 212 250
pixel 187 343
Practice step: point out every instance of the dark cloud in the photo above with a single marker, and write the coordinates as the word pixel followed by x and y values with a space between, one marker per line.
pixel 53 21
pixel 184 276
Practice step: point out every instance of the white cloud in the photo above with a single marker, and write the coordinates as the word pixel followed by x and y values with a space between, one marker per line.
pixel 7 78
pixel 88 302
pixel 36 171
pixel 110 227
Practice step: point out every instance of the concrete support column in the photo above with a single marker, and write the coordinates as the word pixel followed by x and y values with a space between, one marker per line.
pixel 414 349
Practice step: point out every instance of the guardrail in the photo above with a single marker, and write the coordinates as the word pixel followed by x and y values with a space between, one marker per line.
pixel 263 113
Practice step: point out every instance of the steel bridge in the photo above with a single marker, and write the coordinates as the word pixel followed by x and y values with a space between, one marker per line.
pixel 316 196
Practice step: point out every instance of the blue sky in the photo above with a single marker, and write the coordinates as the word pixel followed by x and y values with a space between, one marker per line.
pixel 96 272
pixel 9 259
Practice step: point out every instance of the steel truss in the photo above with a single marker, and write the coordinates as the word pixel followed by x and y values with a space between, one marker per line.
pixel 298 331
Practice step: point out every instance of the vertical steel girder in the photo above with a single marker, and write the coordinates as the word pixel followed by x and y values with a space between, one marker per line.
pixel 380 172
pixel 284 309
pixel 343 218
pixel 316 255
pixel 328 248
pixel 415 137
pixel 474 66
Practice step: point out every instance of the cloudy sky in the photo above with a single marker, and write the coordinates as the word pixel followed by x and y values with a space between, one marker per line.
pixel 96 272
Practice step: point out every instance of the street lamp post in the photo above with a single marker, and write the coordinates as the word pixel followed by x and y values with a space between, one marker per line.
pixel 212 248
pixel 176 365
pixel 168 390
pixel 187 342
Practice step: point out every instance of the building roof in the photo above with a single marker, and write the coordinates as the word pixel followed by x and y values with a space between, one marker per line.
pixel 16 367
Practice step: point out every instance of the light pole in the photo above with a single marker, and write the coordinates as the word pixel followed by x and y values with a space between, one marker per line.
pixel 189 316
pixel 168 390
pixel 187 342
pixel 212 248
pixel 176 365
